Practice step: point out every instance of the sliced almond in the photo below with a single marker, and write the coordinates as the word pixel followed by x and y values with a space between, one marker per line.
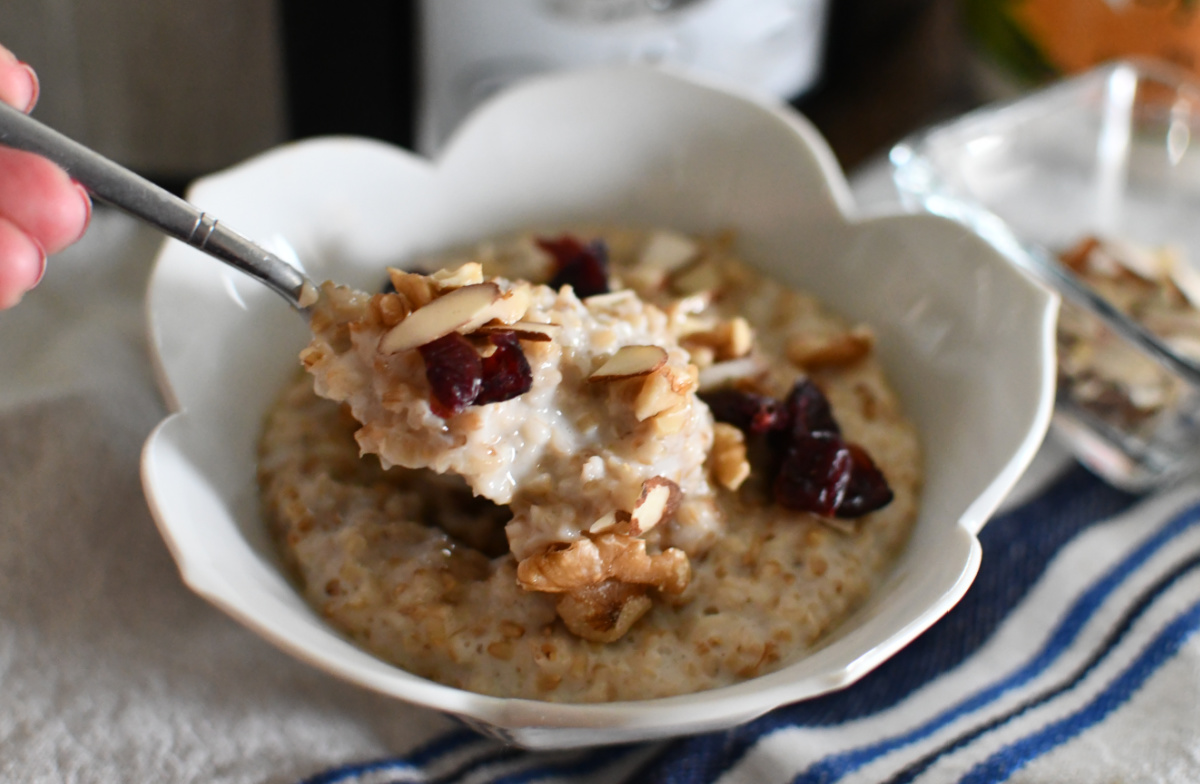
pixel 1183 274
pixel 610 522
pixel 610 299
pixel 722 373
pixel 659 499
pixel 513 304
pixel 666 250
pixel 526 330
pixel 509 307
pixel 605 523
pixel 701 276
pixel 629 362
pixel 467 275
pixel 440 317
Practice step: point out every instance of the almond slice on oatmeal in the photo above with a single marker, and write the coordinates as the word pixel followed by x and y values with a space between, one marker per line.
pixel 720 374
pixel 448 279
pixel 610 299
pixel 630 362
pixel 448 313
pixel 511 307
pixel 659 499
pixel 534 331
pixel 701 276
pixel 667 251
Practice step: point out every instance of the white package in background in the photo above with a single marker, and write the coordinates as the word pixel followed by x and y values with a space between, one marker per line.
pixel 472 48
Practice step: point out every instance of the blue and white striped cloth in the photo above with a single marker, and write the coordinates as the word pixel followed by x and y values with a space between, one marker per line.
pixel 1073 658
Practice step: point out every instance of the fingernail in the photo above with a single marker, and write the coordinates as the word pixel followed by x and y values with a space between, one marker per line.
pixel 42 268
pixel 35 87
pixel 87 205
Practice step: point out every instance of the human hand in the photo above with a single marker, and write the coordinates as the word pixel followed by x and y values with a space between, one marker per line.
pixel 42 210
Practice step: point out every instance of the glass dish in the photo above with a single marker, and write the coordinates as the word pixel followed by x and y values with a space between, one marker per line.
pixel 1110 153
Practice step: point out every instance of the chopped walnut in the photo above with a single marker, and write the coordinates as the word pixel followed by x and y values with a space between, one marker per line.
pixel 664 390
pixel 388 309
pixel 416 290
pixel 729 339
pixel 659 499
pixel 604 612
pixel 729 464
pixel 595 558
pixel 811 352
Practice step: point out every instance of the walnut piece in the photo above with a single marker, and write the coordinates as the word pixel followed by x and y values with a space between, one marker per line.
pixel 727 339
pixel 811 352
pixel 595 558
pixel 659 499
pixel 604 612
pixel 665 390
pixel 729 464
pixel 416 289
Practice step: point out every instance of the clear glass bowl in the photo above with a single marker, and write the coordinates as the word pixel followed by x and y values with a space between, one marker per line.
pixel 1114 153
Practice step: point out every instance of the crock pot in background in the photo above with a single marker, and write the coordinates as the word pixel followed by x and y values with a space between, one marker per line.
pixel 472 48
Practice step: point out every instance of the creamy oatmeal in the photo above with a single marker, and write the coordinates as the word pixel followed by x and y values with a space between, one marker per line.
pixel 603 465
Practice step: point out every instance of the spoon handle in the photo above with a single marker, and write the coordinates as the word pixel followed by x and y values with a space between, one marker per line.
pixel 116 185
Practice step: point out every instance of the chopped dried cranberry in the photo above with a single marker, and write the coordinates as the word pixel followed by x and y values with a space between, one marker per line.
pixel 747 411
pixel 583 267
pixel 506 372
pixel 454 372
pixel 867 490
pixel 814 474
pixel 813 468
pixel 808 410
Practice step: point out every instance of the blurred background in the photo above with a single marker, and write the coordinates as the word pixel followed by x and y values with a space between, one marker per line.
pixel 175 90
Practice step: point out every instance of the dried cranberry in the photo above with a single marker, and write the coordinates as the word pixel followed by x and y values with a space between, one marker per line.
pixel 747 411
pixel 506 372
pixel 454 372
pixel 808 410
pixel 583 267
pixel 814 474
pixel 867 490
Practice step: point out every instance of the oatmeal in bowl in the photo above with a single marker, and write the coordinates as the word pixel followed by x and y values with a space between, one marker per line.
pixel 670 554
pixel 609 410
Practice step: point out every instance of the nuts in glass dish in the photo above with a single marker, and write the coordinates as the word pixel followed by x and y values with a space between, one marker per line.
pixel 1104 373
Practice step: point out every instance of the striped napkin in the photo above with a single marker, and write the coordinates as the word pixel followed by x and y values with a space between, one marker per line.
pixel 1071 659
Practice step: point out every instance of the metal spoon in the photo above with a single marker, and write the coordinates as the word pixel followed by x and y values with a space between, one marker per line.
pixel 114 184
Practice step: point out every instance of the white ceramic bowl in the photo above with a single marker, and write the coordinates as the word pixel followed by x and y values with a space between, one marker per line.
pixel 966 339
